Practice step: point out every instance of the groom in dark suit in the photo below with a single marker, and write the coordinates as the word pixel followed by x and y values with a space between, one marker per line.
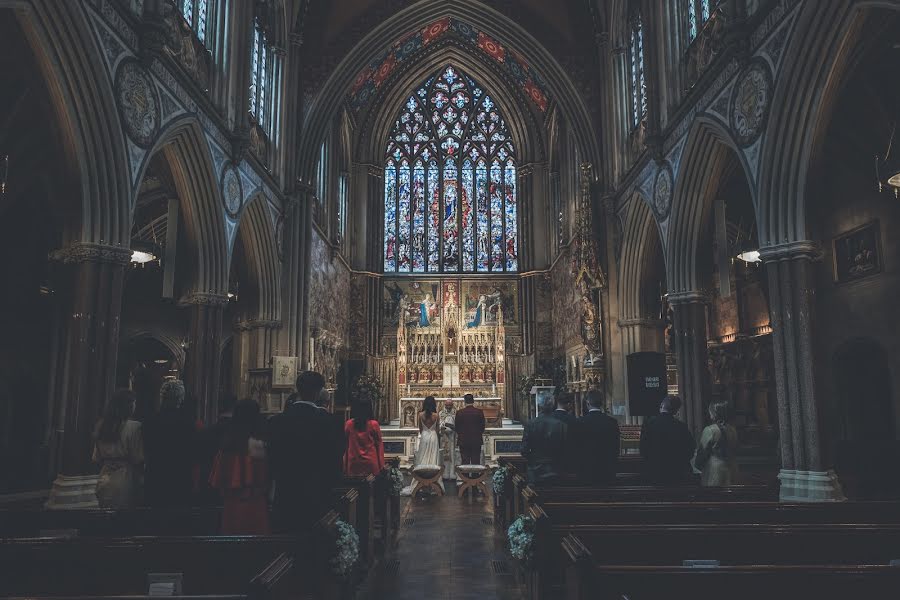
pixel 470 425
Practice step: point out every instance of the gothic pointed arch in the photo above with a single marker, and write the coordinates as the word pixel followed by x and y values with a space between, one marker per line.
pixel 82 97
pixel 450 190
pixel 708 150
pixel 415 18
pixel 257 233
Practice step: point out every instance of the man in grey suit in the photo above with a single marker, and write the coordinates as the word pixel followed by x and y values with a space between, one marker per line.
pixel 544 445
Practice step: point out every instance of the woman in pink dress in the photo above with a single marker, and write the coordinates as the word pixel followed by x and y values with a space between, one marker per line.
pixel 240 474
pixel 365 448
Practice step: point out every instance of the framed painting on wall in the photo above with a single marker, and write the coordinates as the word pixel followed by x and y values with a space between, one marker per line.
pixel 857 253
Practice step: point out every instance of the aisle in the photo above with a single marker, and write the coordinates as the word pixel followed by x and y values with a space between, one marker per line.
pixel 446 548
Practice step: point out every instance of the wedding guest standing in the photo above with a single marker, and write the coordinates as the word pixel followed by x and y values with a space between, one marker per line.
pixel 717 451
pixel 470 426
pixel 544 444
pixel 667 445
pixel 300 439
pixel 170 438
pixel 365 447
pixel 119 451
pixel 598 441
pixel 240 473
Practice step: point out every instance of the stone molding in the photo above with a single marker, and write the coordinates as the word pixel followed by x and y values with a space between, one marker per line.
pixel 688 297
pixel 801 249
pixel 89 252
pixel 203 299
pixel 810 486
pixel 640 322
pixel 252 324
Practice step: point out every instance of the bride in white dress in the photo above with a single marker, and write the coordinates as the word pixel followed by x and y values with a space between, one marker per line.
pixel 428 448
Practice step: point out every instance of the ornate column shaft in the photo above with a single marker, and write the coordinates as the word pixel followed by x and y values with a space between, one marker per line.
pixel 791 290
pixel 694 384
pixel 201 372
pixel 92 280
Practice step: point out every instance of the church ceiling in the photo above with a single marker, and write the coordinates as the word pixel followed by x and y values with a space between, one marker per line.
pixel 380 69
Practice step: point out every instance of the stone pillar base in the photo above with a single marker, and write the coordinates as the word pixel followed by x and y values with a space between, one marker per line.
pixel 73 492
pixel 810 486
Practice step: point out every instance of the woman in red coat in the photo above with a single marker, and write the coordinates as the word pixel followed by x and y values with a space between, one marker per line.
pixel 365 449
pixel 240 474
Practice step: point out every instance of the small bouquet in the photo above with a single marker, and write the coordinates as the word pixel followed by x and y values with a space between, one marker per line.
pixel 346 549
pixel 397 482
pixel 499 479
pixel 521 539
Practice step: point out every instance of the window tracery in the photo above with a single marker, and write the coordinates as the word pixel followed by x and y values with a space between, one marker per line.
pixel 261 78
pixel 196 13
pixel 450 198
pixel 636 63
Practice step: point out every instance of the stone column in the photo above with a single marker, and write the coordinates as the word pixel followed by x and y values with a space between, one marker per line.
pixel 252 343
pixel 637 335
pixel 201 372
pixel 791 289
pixel 90 288
pixel 690 349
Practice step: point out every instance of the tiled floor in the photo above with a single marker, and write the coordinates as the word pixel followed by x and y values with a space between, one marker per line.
pixel 446 548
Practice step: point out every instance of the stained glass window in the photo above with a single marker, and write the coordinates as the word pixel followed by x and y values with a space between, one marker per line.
pixel 450 202
pixel 260 78
pixel 196 13
pixel 638 80
pixel 699 12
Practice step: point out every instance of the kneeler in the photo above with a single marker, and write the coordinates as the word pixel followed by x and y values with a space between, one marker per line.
pixel 428 476
pixel 473 477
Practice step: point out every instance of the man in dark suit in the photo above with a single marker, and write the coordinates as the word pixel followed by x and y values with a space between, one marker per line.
pixel 544 445
pixel 565 412
pixel 470 425
pixel 667 445
pixel 599 442
pixel 302 442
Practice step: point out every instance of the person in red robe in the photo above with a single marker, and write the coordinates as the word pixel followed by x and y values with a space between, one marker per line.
pixel 241 475
pixel 365 447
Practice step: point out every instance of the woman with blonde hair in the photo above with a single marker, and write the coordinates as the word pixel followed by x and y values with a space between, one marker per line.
pixel 716 456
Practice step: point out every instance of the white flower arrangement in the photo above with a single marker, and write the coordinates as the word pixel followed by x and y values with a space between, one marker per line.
pixel 397 481
pixel 499 479
pixel 346 549
pixel 521 539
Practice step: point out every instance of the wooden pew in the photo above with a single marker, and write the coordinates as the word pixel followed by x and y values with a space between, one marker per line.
pixel 688 493
pixel 365 487
pixel 588 580
pixel 211 565
pixel 773 513
pixel 142 521
pixel 119 566
pixel 729 543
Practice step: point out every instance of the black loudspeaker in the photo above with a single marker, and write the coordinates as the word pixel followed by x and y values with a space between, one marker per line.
pixel 646 382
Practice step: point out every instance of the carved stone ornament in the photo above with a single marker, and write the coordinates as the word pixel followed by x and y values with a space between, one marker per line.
pixel 750 102
pixel 85 252
pixel 138 103
pixel 203 298
pixel 232 194
pixel 662 192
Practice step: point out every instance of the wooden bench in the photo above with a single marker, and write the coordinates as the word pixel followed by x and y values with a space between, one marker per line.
pixel 632 494
pixel 365 514
pixel 729 543
pixel 210 565
pixel 143 521
pixel 586 579
pixel 774 513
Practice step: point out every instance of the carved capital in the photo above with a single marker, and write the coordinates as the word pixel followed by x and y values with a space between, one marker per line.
pixel 801 249
pixel 203 299
pixel 640 322
pixel 687 297
pixel 251 324
pixel 87 252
